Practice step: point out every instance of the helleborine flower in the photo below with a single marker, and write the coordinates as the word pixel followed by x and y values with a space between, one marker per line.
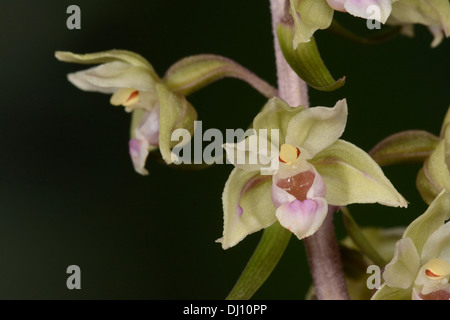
pixel 420 269
pixel 435 14
pixel 133 84
pixel 312 15
pixel 435 174
pixel 315 169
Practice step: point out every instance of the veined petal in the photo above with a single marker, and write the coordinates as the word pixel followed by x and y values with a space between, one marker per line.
pixel 434 217
pixel 303 218
pixel 110 76
pixel 175 112
pixel 352 176
pixel 139 153
pixel 125 56
pixel 438 245
pixel 309 16
pixel 404 267
pixel 247 206
pixel 367 8
pixel 276 115
pixel 388 293
pixel 317 128
pixel 148 129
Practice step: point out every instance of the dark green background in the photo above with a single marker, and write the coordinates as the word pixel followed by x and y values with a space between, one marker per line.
pixel 68 192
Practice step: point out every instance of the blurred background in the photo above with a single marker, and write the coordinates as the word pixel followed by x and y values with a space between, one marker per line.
pixel 69 194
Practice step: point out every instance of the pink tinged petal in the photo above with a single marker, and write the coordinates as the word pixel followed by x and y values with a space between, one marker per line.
pixel 369 9
pixel 337 5
pixel 148 129
pixel 139 153
pixel 248 186
pixel 303 218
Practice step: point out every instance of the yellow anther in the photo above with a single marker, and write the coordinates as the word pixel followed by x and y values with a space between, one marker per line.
pixel 125 97
pixel 289 153
pixel 437 269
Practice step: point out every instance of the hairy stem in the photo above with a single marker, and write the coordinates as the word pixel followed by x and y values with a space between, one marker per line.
pixel 322 248
pixel 291 88
pixel 325 261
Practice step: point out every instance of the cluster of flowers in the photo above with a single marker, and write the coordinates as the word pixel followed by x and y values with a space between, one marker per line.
pixel 316 168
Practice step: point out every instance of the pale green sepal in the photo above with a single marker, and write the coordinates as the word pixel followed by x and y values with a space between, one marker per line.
pixel 192 73
pixel 247 206
pixel 309 16
pixel 404 147
pixel 263 261
pixel 317 128
pixel 175 113
pixel 107 56
pixel 427 189
pixel 402 270
pixel 305 60
pixel 434 175
pixel 433 218
pixel 276 114
pixel 388 293
pixel 352 176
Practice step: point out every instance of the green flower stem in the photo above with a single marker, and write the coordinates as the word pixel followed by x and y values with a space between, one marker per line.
pixel 265 258
pixel 358 238
pixel 291 88
pixel 325 261
pixel 322 248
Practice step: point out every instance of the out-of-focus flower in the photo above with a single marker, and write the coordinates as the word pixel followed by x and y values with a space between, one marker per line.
pixel 434 14
pixel 133 84
pixel 420 269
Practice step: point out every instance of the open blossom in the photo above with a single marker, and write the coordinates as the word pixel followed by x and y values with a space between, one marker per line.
pixel 434 14
pixel 420 269
pixel 312 15
pixel 133 84
pixel 313 169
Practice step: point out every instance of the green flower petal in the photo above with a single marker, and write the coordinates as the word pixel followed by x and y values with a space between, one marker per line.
pixel 434 176
pixel 247 206
pixel 276 114
pixel 175 112
pixel 317 128
pixel 387 293
pixel 107 56
pixel 433 218
pixel 309 16
pixel 402 270
pixel 352 176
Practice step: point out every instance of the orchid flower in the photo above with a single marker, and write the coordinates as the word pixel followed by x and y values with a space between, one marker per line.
pixel 434 14
pixel 435 174
pixel 420 269
pixel 133 84
pixel 302 167
pixel 312 15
